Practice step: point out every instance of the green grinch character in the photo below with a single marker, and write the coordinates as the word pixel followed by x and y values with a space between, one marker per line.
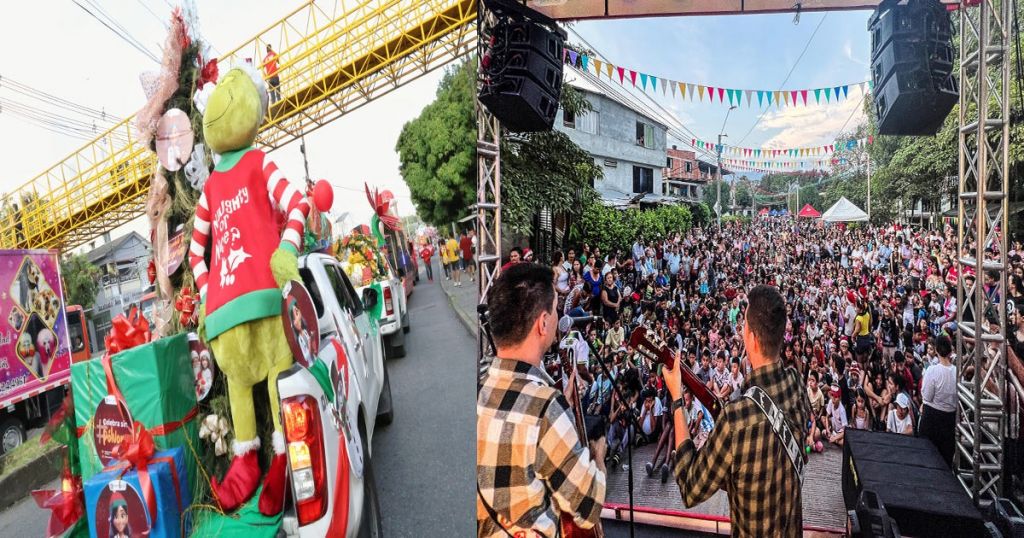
pixel 239 217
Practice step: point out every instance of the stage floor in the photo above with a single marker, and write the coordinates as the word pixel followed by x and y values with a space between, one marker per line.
pixel 822 490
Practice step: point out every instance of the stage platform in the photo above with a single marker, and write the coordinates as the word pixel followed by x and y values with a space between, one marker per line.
pixel 657 503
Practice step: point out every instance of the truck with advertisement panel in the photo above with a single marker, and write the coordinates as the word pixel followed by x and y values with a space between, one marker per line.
pixel 35 346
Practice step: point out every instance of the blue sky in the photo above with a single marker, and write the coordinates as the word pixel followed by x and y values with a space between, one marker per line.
pixel 748 52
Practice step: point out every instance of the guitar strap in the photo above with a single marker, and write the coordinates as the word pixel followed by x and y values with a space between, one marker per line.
pixel 780 425
pixel 490 512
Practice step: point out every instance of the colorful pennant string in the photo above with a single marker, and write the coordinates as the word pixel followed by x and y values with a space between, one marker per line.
pixel 726 96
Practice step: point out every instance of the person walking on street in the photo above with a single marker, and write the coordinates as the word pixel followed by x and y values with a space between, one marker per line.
pixel 270 68
pixel 466 246
pixel 426 252
pixel 453 252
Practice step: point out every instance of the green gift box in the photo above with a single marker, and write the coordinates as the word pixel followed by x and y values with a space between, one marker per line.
pixel 157 389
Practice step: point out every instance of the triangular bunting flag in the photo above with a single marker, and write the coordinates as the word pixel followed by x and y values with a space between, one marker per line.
pixel 862 91
pixel 835 92
pixel 610 68
pixel 817 96
pixel 776 96
pixel 654 83
pixel 792 96
pixel 621 74
pixel 721 94
pixel 643 81
pixel 846 91
pixel 632 77
pixel 711 94
pixel 682 90
pixel 597 67
pixel 690 90
pixel 828 94
pixel 584 59
pixel 785 97
pixel 871 85
pixel 748 92
pixel 700 91
pixel 803 94
pixel 572 57
pixel 760 98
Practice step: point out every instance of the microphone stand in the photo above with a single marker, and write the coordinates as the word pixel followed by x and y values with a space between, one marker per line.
pixel 632 419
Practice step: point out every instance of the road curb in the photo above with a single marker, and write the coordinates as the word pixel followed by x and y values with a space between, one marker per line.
pixel 467 320
pixel 16 486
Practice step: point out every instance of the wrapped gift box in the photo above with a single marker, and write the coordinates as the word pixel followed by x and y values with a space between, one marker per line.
pixel 116 497
pixel 158 389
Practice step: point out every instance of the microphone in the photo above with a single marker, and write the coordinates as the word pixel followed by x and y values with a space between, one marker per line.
pixel 566 323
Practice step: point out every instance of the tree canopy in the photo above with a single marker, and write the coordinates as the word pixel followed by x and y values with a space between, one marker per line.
pixel 80 281
pixel 437 150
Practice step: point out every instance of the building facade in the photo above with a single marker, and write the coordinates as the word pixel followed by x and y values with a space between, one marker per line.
pixel 123 282
pixel 626 143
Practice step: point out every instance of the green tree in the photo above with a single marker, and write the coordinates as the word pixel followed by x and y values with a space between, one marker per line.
pixel 546 170
pixel 80 281
pixel 615 229
pixel 437 150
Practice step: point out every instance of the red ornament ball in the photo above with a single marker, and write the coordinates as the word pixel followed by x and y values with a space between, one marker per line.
pixel 323 196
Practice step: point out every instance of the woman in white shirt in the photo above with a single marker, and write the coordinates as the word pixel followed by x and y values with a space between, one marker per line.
pixel 938 394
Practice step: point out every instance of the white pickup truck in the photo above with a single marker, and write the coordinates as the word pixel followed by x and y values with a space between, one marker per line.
pixel 394 315
pixel 330 442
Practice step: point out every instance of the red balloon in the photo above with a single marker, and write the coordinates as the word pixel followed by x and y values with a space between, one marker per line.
pixel 323 196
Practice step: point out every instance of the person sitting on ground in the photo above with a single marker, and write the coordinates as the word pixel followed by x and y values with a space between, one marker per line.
pixel 900 420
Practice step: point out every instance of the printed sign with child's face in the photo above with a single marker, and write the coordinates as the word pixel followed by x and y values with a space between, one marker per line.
pixel 120 512
pixel 301 327
pixel 203 366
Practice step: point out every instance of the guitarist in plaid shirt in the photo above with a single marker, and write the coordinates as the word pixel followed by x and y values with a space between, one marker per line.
pixel 530 465
pixel 743 455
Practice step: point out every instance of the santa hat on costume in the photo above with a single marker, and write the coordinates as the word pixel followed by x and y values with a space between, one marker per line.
pixel 851 297
pixel 834 391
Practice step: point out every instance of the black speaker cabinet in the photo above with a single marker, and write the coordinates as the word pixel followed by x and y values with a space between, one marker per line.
pixel 912 66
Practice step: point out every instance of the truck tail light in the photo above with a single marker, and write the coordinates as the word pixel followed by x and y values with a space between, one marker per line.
pixel 389 305
pixel 306 456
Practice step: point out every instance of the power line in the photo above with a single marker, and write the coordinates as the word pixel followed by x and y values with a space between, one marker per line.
pixel 797 62
pixel 50 99
pixel 153 13
pixel 135 45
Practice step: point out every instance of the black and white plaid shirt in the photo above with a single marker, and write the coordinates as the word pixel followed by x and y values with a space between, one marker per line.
pixel 744 457
pixel 530 464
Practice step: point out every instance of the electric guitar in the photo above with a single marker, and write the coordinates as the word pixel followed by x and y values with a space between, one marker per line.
pixel 648 344
pixel 569 374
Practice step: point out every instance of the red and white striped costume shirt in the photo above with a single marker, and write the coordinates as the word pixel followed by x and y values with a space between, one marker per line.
pixel 240 212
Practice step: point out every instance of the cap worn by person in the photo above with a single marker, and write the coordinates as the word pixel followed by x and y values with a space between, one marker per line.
pixel 834 391
pixel 903 401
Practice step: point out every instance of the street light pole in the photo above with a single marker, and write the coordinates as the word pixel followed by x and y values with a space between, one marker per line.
pixel 718 188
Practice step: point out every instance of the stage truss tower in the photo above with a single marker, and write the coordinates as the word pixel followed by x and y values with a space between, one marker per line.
pixel 983 390
pixel 488 192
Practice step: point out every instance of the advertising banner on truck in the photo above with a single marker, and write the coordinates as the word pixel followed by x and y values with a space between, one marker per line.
pixel 34 347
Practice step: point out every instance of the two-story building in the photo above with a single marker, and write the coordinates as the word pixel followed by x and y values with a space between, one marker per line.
pixel 626 142
pixel 123 280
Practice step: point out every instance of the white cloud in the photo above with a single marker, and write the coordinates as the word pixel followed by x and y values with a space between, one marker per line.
pixel 812 125
pixel 848 52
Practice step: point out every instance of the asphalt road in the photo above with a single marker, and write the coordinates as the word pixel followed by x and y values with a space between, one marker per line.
pixel 425 460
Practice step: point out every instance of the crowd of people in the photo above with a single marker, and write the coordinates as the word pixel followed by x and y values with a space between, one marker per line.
pixel 870 329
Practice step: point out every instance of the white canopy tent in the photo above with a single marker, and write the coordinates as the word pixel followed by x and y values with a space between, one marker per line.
pixel 844 211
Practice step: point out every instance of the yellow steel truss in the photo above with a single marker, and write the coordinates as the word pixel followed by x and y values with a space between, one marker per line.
pixel 335 56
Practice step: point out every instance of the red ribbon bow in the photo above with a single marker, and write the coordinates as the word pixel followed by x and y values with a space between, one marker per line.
pixel 128 331
pixel 134 453
pixel 209 72
pixel 66 505
pixel 186 303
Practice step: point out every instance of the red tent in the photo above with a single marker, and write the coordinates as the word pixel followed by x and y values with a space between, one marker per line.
pixel 809 212
pixel 763 212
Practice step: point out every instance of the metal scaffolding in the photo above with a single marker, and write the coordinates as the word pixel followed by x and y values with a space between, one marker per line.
pixel 488 193
pixel 981 314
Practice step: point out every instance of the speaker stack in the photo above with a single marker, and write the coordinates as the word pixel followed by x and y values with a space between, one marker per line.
pixel 521 66
pixel 912 66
